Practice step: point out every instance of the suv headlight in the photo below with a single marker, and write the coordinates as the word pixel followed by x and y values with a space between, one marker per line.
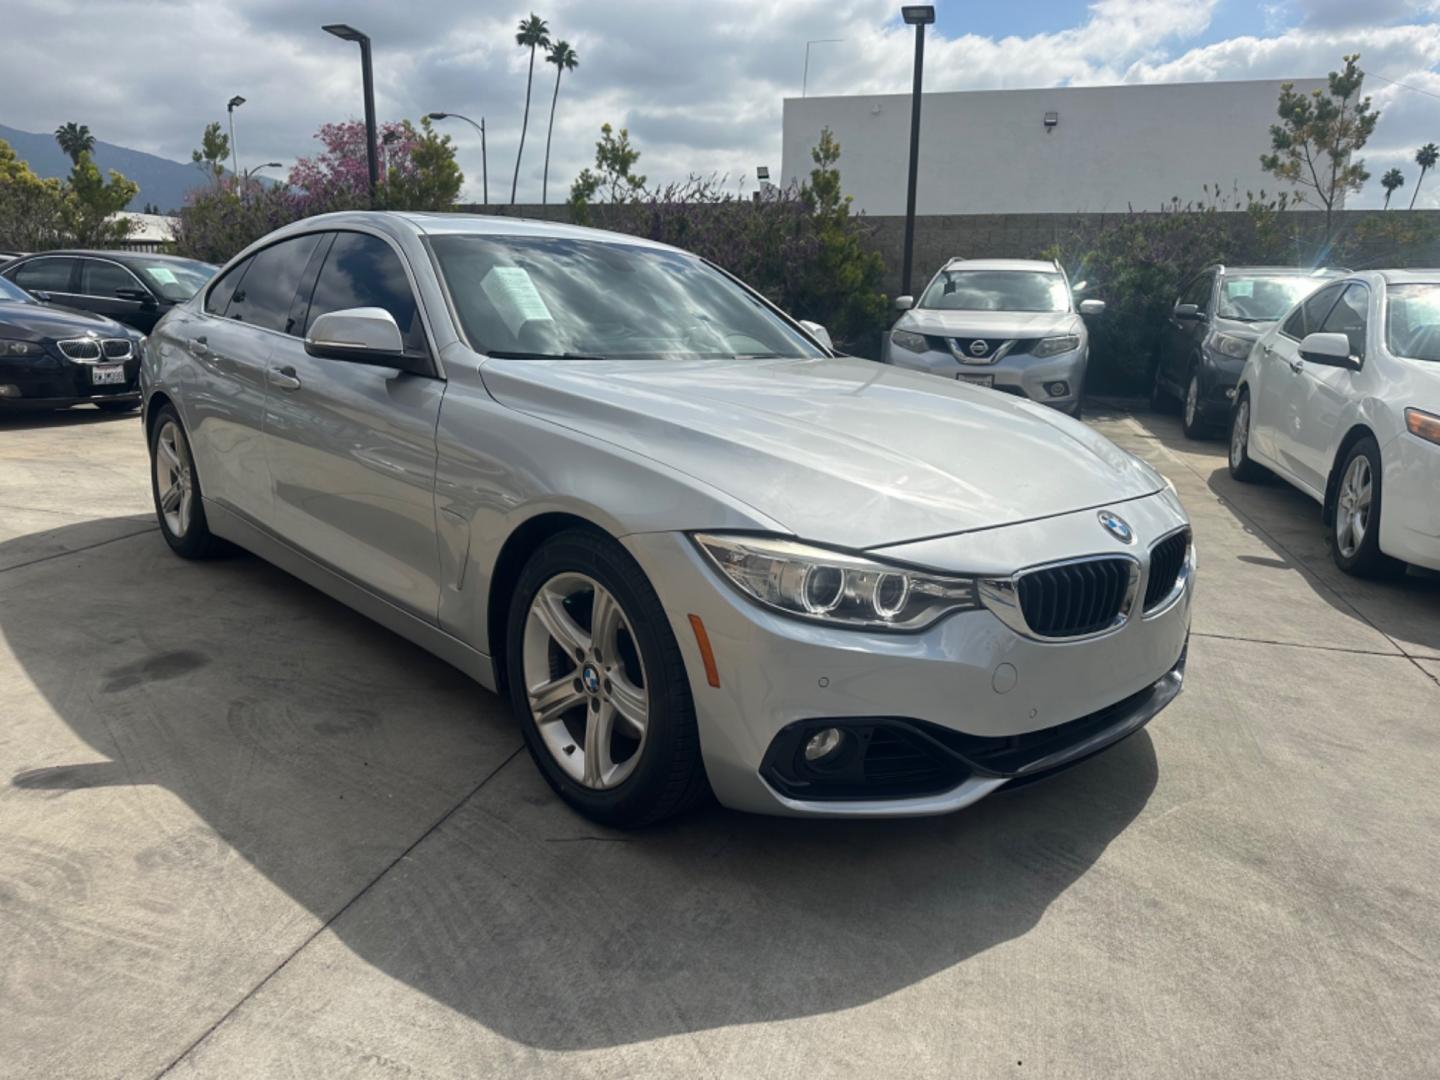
pixel 21 348
pixel 834 586
pixel 1054 346
pixel 909 340
pixel 1230 345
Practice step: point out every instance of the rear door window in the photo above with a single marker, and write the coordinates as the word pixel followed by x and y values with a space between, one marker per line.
pixel 218 298
pixel 51 274
pixel 100 278
pixel 364 271
pixel 1350 317
pixel 266 296
pixel 1310 315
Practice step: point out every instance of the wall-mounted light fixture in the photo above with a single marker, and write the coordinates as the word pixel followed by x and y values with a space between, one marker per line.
pixel 1051 119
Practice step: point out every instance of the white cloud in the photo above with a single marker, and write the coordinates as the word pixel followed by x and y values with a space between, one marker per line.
pixel 699 83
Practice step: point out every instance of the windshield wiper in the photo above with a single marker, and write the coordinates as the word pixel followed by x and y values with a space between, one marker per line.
pixel 512 354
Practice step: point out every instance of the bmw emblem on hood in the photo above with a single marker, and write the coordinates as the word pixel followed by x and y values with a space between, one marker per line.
pixel 1116 526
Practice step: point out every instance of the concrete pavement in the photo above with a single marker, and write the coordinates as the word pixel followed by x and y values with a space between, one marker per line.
pixel 245 832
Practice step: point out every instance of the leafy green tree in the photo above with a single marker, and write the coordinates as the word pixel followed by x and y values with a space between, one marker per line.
pixel 75 139
pixel 532 33
pixel 91 202
pixel 564 59
pixel 1425 157
pixel 614 174
pixel 430 179
pixel 214 150
pixel 31 208
pixel 1313 147
pixel 1390 182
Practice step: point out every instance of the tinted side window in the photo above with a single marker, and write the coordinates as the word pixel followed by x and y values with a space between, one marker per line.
pixel 1306 319
pixel 103 278
pixel 1349 316
pixel 1198 292
pixel 219 296
pixel 363 271
pixel 52 274
pixel 266 295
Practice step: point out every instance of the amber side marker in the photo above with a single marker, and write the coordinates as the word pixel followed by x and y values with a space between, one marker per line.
pixel 702 639
pixel 1424 424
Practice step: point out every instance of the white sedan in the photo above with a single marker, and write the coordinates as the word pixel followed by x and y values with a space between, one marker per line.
pixel 1342 399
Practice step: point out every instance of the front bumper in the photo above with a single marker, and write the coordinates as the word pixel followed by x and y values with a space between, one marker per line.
pixel 55 382
pixel 970 680
pixel 1022 375
pixel 1219 376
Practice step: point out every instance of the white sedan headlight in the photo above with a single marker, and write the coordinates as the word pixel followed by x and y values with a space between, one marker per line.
pixel 909 340
pixel 1054 346
pixel 834 586
pixel 1230 345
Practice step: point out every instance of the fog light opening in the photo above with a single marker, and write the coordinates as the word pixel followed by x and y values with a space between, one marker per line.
pixel 1229 393
pixel 1057 389
pixel 825 745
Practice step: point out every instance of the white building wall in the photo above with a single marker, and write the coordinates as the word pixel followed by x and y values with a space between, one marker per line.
pixel 988 151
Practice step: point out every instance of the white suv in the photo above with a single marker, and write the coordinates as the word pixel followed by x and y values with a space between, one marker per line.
pixel 1342 399
pixel 1009 324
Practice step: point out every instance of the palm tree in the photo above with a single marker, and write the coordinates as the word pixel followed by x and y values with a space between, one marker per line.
pixel 75 139
pixel 1425 157
pixel 1390 181
pixel 534 33
pixel 564 59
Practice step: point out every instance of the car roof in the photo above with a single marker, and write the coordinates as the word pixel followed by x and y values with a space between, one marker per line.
pixel 454 224
pixel 1404 277
pixel 1042 265
pixel 1288 271
pixel 115 256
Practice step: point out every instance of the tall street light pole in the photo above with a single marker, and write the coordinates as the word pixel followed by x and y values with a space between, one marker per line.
pixel 230 107
pixel 918 16
pixel 372 154
pixel 484 168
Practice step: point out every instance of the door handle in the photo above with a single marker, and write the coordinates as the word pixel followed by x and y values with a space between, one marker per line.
pixel 284 378
pixel 1297 366
pixel 198 346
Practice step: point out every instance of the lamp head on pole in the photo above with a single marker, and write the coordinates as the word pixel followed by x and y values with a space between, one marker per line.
pixel 345 32
pixel 436 115
pixel 234 103
pixel 918 14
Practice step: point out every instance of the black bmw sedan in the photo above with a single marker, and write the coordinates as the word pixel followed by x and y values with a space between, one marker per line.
pixel 132 287
pixel 55 357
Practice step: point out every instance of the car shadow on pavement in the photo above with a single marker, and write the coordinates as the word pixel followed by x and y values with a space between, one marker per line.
pixel 305 739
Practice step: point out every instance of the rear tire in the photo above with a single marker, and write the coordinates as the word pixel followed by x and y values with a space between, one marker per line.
pixel 617 737
pixel 175 486
pixel 1241 467
pixel 1355 523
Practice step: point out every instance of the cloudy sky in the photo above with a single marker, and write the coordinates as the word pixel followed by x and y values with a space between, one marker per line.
pixel 699 83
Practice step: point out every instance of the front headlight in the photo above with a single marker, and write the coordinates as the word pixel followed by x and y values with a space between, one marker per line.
pixel 1054 346
pixel 21 348
pixel 1229 345
pixel 835 586
pixel 909 340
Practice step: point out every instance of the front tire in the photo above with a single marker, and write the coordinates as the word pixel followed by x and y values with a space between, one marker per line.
pixel 598 684
pixel 176 489
pixel 1355 524
pixel 1241 467
pixel 1191 420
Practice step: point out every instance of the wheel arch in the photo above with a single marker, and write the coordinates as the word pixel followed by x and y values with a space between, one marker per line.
pixel 157 401
pixel 1359 430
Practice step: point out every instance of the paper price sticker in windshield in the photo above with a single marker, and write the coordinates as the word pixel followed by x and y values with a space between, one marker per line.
pixel 515 297
pixel 162 275
pixel 1243 287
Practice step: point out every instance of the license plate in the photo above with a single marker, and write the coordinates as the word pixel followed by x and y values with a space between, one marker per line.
pixel 107 374
pixel 977 380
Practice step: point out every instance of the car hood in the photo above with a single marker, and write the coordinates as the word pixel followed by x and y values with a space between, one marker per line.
pixel 841 451
pixel 41 322
pixel 1250 331
pixel 988 324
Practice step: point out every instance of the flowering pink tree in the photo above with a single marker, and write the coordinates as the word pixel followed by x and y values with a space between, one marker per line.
pixel 340 176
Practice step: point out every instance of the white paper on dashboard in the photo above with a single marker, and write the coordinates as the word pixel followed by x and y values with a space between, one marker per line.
pixel 515 297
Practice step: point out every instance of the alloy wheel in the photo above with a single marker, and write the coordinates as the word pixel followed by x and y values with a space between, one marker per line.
pixel 1192 401
pixel 1352 509
pixel 174 478
pixel 1240 433
pixel 585 680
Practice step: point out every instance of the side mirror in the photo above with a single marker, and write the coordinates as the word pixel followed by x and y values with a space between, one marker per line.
pixel 365 335
pixel 819 333
pixel 904 303
pixel 1092 307
pixel 1328 350
pixel 1189 311
pixel 143 298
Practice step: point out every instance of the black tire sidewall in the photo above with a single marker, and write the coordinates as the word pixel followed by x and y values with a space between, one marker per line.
pixel 1368 560
pixel 197 541
pixel 653 790
pixel 1246 470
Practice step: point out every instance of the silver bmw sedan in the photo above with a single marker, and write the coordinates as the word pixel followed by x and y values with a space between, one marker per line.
pixel 696 548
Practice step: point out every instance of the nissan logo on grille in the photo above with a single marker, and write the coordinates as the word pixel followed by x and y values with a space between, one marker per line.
pixel 979 347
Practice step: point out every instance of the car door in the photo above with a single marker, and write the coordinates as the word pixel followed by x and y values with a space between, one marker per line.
pixel 1276 404
pixel 1181 337
pixel 245 313
pixel 351 446
pixel 54 277
pixel 110 289
pixel 1326 391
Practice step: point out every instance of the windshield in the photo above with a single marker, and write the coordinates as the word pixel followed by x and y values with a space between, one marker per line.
pixel 544 297
pixel 1412 321
pixel 1264 297
pixel 178 279
pixel 997 290
pixel 12 293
